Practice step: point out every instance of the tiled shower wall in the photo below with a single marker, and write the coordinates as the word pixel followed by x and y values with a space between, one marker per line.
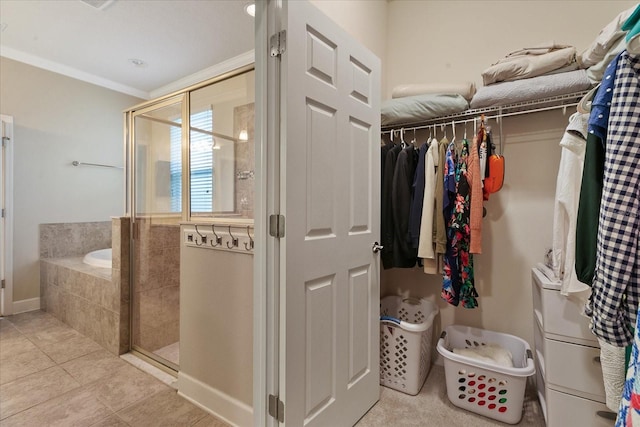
pixel 94 301
pixel 156 302
pixel 243 119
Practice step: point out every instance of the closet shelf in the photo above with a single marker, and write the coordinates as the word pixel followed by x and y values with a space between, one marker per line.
pixel 534 106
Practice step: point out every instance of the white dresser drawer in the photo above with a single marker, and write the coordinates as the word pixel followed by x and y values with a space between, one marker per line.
pixel 538 341
pixel 559 315
pixel 574 368
pixel 542 392
pixel 565 410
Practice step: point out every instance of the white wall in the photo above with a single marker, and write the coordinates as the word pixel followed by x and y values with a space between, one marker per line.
pixel 454 41
pixel 57 120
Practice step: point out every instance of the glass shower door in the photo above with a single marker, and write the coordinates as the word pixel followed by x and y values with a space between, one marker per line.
pixel 156 212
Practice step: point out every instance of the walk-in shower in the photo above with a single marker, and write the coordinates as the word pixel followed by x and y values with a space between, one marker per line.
pixel 190 158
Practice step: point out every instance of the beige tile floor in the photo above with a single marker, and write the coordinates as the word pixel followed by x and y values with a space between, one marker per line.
pixel 51 375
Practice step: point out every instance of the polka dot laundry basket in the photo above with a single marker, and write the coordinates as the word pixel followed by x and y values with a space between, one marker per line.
pixel 406 331
pixel 485 388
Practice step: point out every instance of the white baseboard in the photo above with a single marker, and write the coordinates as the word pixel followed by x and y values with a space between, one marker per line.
pixel 212 400
pixel 25 305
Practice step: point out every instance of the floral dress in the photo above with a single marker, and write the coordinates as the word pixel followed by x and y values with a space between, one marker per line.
pixel 629 410
pixel 457 284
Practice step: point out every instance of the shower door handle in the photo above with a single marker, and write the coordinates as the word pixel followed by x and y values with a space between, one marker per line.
pixel 377 247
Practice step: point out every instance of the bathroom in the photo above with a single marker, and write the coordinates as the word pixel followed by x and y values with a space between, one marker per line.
pixel 48 189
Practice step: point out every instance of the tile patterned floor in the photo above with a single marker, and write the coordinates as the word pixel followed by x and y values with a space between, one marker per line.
pixel 52 375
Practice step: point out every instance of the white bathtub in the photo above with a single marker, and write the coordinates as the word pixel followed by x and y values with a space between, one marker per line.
pixel 100 258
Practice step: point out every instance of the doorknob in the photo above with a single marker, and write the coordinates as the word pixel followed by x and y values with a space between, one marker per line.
pixel 377 247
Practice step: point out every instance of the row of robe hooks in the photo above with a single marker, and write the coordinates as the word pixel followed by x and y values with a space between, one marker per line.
pixel 216 241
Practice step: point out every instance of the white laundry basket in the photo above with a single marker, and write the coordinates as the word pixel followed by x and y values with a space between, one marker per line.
pixel 406 330
pixel 484 388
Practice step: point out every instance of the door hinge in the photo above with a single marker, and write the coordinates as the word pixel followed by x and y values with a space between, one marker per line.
pixel 5 139
pixel 2 284
pixel 4 213
pixel 276 408
pixel 278 43
pixel 276 226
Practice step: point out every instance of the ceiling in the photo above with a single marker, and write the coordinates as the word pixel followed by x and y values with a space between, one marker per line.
pixel 174 38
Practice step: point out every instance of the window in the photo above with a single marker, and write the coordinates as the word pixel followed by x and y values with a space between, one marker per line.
pixel 202 185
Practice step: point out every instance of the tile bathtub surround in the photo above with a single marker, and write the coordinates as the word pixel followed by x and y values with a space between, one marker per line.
pixel 84 298
pixel 94 301
pixel 93 389
pixel 73 239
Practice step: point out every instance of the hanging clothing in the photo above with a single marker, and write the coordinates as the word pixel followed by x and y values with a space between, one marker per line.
pixel 440 226
pixel 612 362
pixel 418 194
pixel 404 255
pixel 387 229
pixel 613 305
pixel 629 409
pixel 573 145
pixel 425 248
pixel 490 151
pixel 457 286
pixel 592 177
pixel 475 210
pixel 482 153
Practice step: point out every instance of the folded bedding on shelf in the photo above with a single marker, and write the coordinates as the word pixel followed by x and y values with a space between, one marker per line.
pixel 420 107
pixel 607 39
pixel 530 62
pixel 596 71
pixel 466 89
pixel 531 89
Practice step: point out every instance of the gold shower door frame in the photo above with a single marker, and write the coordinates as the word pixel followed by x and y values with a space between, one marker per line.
pixel 149 232
pixel 155 230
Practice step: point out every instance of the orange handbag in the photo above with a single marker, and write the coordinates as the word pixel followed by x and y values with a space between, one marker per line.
pixel 493 183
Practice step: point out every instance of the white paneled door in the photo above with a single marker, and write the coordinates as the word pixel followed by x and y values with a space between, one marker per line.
pixel 329 189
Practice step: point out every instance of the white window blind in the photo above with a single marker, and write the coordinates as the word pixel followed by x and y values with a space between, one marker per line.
pixel 202 185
